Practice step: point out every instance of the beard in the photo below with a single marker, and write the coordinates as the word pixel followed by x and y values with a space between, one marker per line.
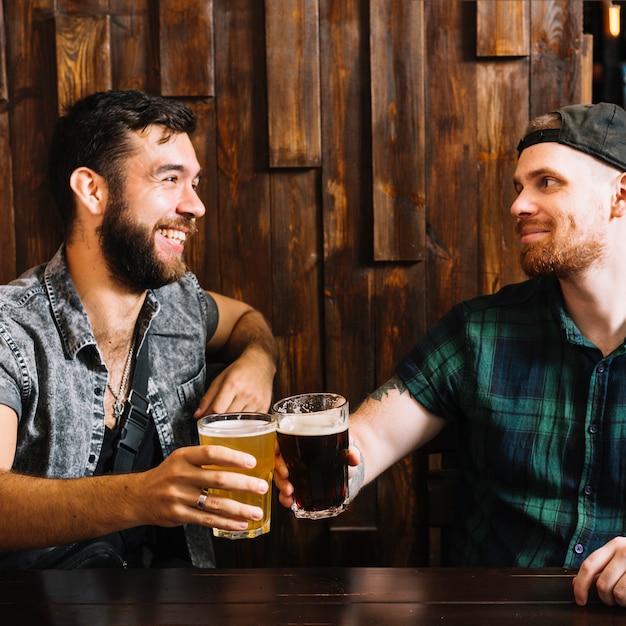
pixel 561 255
pixel 129 250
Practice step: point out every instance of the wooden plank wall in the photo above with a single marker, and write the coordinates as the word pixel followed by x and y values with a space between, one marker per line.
pixel 358 160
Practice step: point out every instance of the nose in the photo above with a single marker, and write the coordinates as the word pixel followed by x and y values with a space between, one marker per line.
pixel 190 204
pixel 522 205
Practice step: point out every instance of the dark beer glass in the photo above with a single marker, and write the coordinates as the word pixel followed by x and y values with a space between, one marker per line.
pixel 312 432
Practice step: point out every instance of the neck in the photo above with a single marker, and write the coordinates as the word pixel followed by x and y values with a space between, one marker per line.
pixel 112 308
pixel 598 308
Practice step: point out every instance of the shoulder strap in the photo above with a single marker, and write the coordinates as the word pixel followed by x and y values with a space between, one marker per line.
pixel 136 415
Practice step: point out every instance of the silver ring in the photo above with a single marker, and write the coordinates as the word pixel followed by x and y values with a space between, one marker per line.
pixel 201 500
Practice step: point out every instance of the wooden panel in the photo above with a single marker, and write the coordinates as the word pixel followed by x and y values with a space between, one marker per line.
pixel 346 195
pixel 586 72
pixel 348 286
pixel 135 47
pixel 556 46
pixel 203 251
pixel 297 271
pixel 4 90
pixel 8 268
pixel 83 55
pixel 293 82
pixel 503 102
pixel 401 321
pixel 502 28
pixel 244 211
pixel 186 44
pixel 83 7
pixel 398 151
pixel 451 157
pixel 32 108
pixel 7 223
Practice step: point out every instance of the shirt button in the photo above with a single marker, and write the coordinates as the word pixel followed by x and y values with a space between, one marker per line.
pixel 92 458
pixel 601 368
pixel 579 548
pixel 593 429
pixel 588 490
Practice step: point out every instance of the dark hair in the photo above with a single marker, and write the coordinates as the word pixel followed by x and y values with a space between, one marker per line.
pixel 95 132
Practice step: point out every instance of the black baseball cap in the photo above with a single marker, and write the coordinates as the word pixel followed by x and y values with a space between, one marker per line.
pixel 595 129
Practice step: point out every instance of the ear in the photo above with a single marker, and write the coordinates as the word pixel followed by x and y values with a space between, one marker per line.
pixel 89 189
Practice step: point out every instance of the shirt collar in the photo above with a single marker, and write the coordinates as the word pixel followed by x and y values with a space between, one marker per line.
pixel 68 310
pixel 569 328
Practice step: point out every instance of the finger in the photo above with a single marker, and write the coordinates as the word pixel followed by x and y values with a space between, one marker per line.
pixel 232 481
pixel 280 467
pixel 222 456
pixel 205 403
pixel 282 484
pixel 285 500
pixel 581 592
pixel 602 569
pixel 619 592
pixel 220 512
pixel 354 457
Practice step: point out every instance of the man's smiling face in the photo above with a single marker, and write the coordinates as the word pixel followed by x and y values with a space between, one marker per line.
pixel 152 212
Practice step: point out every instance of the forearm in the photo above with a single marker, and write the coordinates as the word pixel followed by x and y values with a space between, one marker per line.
pixel 251 334
pixel 388 425
pixel 38 512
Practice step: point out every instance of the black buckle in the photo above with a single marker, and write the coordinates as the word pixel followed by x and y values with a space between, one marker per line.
pixel 132 428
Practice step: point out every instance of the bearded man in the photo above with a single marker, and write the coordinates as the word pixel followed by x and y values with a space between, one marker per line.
pixel 124 174
pixel 534 376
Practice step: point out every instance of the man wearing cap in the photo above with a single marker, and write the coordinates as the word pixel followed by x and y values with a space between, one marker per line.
pixel 534 376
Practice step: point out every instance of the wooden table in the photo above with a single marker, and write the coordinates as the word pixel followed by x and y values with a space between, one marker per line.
pixel 355 596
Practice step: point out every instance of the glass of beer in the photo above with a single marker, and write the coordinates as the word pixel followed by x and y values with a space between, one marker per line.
pixel 254 433
pixel 312 433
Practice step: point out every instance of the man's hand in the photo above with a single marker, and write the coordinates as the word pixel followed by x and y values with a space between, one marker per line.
pixel 606 570
pixel 245 385
pixel 178 481
pixel 244 340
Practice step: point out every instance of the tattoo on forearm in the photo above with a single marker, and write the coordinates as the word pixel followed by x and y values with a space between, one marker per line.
pixel 393 383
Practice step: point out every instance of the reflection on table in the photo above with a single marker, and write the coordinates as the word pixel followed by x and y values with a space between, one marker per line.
pixel 359 596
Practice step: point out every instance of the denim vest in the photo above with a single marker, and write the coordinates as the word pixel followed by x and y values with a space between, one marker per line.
pixel 53 376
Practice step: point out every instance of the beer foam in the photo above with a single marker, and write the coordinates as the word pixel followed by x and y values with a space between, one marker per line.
pixel 236 428
pixel 307 424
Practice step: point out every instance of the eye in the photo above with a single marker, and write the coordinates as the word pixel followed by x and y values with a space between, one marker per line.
pixel 548 182
pixel 170 179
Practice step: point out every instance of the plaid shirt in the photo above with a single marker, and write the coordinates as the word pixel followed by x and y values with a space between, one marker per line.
pixel 541 417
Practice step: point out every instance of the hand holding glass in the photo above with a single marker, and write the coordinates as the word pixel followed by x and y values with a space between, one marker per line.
pixel 253 433
pixel 312 433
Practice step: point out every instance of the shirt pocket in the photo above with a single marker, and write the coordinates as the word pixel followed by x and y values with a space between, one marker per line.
pixel 190 392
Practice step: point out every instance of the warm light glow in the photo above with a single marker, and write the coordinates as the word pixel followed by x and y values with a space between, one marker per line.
pixel 614 20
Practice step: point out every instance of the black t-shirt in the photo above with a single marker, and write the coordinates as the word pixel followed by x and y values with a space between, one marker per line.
pixel 145 545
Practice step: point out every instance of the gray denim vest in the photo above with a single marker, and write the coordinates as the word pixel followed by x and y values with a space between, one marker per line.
pixel 53 375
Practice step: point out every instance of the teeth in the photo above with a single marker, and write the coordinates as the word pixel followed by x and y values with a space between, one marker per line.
pixel 176 235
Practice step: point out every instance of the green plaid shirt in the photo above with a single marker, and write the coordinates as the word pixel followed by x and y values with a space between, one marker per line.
pixel 541 417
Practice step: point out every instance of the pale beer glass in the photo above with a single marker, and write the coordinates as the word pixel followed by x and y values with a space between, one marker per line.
pixel 254 433
pixel 312 432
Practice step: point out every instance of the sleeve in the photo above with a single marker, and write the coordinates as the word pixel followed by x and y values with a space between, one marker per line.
pixel 11 375
pixel 434 369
